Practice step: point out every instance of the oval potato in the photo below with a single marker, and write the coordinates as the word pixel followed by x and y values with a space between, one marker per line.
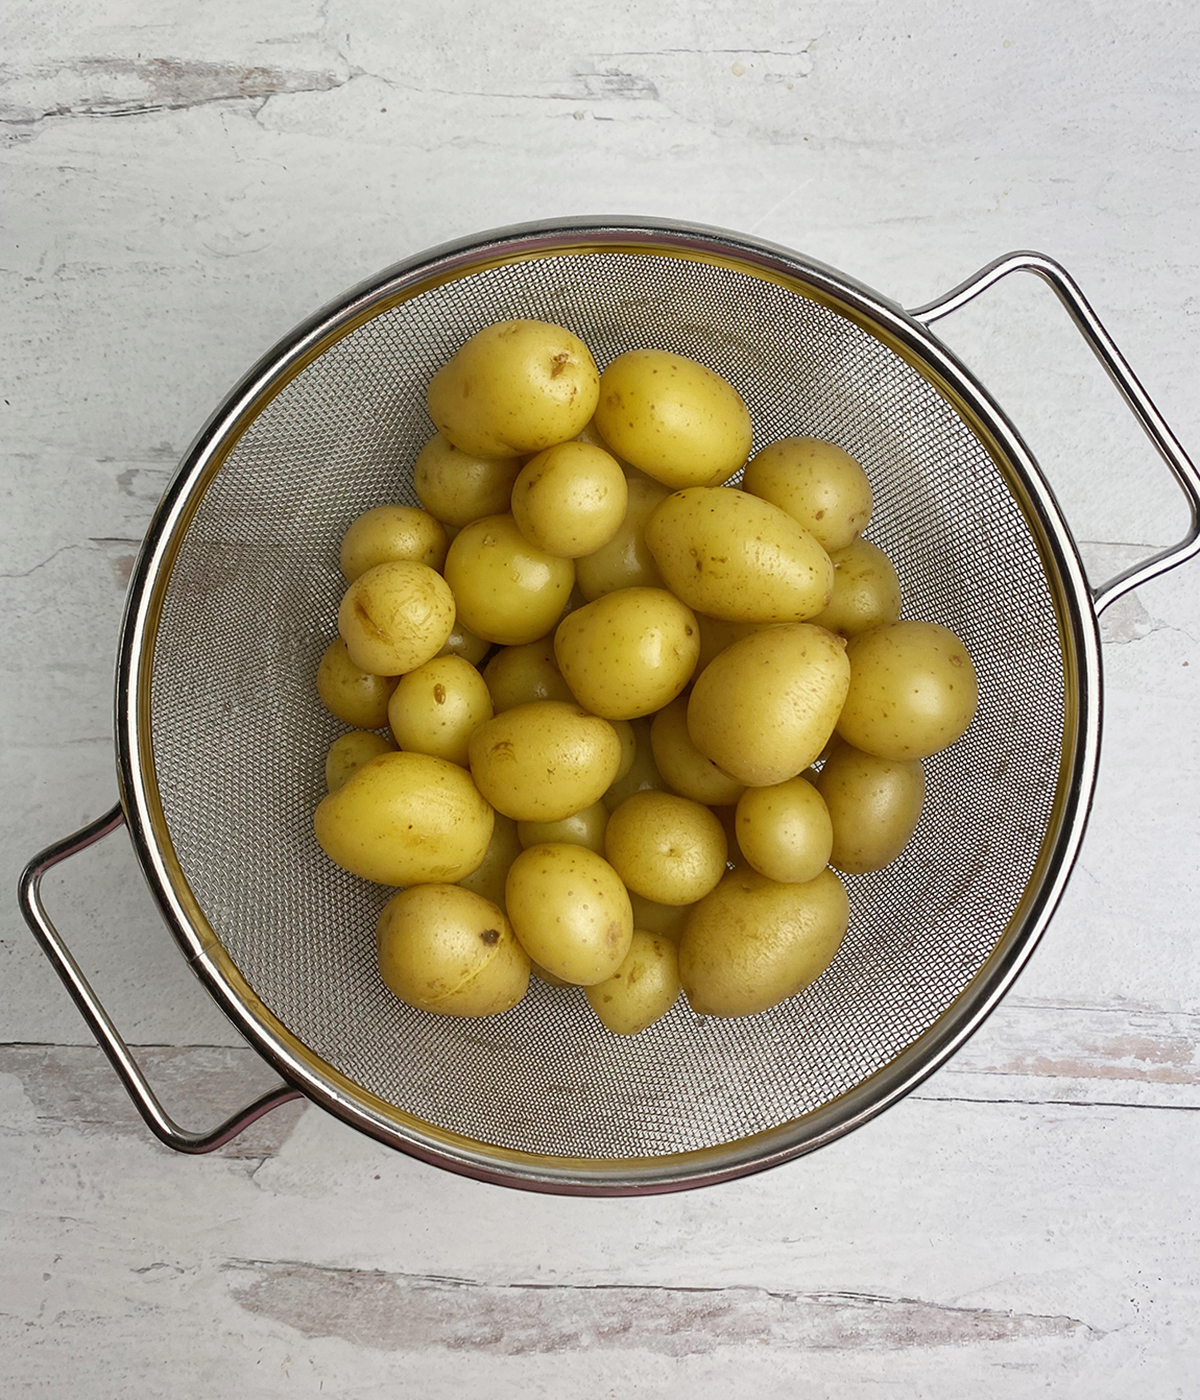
pixel 818 483
pixel 506 589
pixel 866 590
pixel 396 616
pixel 625 561
pixel 642 990
pixel 874 805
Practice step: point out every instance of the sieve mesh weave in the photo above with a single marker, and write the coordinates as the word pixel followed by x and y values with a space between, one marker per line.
pixel 239 737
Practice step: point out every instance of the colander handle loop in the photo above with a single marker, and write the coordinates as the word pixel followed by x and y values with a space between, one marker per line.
pixel 145 1100
pixel 1119 371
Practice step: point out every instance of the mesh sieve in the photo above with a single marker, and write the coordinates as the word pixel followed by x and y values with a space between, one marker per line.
pixel 225 737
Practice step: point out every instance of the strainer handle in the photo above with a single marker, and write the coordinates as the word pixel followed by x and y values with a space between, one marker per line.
pixel 161 1124
pixel 1119 371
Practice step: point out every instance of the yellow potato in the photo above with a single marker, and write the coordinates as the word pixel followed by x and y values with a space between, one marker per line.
pixel 785 831
pixel 628 738
pixel 866 590
pixel 395 617
pixel 625 561
pixel 515 387
pixel 488 878
pixel 570 499
pixel 681 764
pixel 665 847
pixel 584 828
pixel 457 487
pixel 348 754
pixel 874 805
pixel 544 761
pixel 570 911
pixel 392 532
pixel 466 644
pixel 717 633
pixel 628 653
pixel 642 990
pixel 765 707
pixel 913 690
pixel 754 942
pixel 520 675
pixel 436 708
pixel 446 950
pixel 818 483
pixel 641 774
pixel 351 694
pixel 405 819
pixel 665 919
pixel 506 589
pixel 730 555
pixel 673 418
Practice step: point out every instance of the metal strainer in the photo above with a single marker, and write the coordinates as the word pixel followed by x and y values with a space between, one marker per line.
pixel 221 738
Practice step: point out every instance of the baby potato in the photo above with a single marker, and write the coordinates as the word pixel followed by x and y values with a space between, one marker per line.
pixel 730 555
pixel 446 950
pixel 544 761
pixel 665 919
pixel 784 831
pixel 913 690
pixel 395 617
pixel 818 483
pixel 625 561
pixel 348 754
pixel 466 644
pixel 665 847
pixel 488 878
pixel 628 653
pixel 457 487
pixel 765 707
pixel 436 708
pixel 874 805
pixel 570 912
pixel 717 633
pixel 641 774
pixel 392 532
pixel 754 942
pixel 405 819
pixel 570 499
pixel 514 387
pixel 866 590
pixel 673 418
pixel 584 828
pixel 683 767
pixel 349 693
pixel 521 675
pixel 642 990
pixel 506 589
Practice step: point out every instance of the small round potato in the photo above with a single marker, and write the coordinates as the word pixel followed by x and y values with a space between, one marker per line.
pixel 396 616
pixel 666 847
pixel 521 675
pixel 625 561
pixel 515 387
pixel 683 767
pixel 765 707
pixel 348 754
pixel 436 708
pixel 913 690
pixel 405 819
pixel 866 590
pixel 570 911
pixel 874 805
pixel 466 644
pixel 456 487
pixel 641 774
pixel 642 990
pixel 785 831
pixel 506 589
pixel 584 828
pixel 351 694
pixel 488 878
pixel 673 418
pixel 818 483
pixel 730 555
pixel 545 761
pixel 570 499
pixel 754 942
pixel 628 653
pixel 392 532
pixel 446 950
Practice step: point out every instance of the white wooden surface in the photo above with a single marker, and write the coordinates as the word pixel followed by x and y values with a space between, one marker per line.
pixel 187 181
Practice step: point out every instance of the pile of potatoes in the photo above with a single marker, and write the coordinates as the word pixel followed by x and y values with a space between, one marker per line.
pixel 588 682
